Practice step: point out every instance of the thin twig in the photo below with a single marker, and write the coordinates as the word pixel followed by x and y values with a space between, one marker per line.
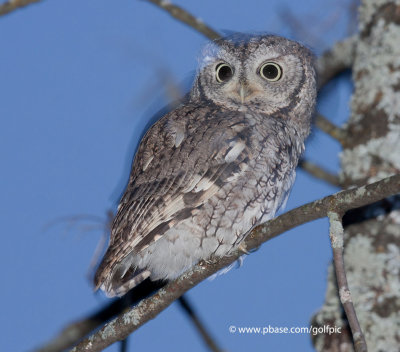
pixel 12 5
pixel 206 336
pixel 101 245
pixel 332 62
pixel 123 345
pixel 182 15
pixel 149 308
pixel 336 236
pixel 331 129
pixel 320 173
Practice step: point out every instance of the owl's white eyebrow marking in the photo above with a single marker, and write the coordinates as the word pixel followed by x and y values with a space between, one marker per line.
pixel 147 163
pixel 234 152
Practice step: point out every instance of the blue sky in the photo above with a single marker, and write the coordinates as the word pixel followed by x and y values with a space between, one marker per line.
pixel 78 83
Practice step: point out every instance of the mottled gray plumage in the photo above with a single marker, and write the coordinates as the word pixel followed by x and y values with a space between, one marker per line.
pixel 219 164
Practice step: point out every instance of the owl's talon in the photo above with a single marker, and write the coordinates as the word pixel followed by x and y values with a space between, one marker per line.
pixel 243 249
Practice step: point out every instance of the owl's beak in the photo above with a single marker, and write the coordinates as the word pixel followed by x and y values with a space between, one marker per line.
pixel 244 92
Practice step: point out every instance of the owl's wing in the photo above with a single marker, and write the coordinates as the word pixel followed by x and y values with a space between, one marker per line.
pixel 182 161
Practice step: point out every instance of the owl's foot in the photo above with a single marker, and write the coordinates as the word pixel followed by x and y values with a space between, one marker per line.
pixel 243 249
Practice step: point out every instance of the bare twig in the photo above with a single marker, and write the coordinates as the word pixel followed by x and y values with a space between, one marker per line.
pixel 331 129
pixel 207 338
pixel 123 347
pixel 336 236
pixel 319 173
pixel 336 60
pixel 81 219
pixel 300 28
pixel 101 245
pixel 149 308
pixel 12 5
pixel 182 15
pixel 75 220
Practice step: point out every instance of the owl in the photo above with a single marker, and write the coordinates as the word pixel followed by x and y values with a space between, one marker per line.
pixel 219 164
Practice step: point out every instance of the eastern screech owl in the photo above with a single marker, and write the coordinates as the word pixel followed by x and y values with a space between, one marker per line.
pixel 216 166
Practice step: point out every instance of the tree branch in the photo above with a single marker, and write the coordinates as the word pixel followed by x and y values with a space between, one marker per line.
pixel 331 129
pixel 336 236
pixel 204 333
pixel 336 60
pixel 182 15
pixel 124 345
pixel 318 172
pixel 12 5
pixel 149 308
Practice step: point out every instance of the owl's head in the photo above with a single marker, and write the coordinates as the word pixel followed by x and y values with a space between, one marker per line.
pixel 264 73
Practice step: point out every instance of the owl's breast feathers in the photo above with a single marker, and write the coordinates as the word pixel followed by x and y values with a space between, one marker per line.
pixel 182 162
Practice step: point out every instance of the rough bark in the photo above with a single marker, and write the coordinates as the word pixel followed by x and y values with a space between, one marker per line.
pixel 371 152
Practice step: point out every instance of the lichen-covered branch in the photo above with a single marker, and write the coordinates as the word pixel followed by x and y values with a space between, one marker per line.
pixel 149 308
pixel 336 235
pixel 182 15
pixel 372 243
pixel 12 5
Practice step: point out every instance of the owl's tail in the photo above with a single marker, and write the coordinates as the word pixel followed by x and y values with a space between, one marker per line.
pixel 117 278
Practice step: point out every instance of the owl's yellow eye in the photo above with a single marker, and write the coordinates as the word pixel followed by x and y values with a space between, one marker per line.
pixel 271 71
pixel 223 72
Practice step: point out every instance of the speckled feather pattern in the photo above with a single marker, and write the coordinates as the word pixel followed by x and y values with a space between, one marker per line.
pixel 209 171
